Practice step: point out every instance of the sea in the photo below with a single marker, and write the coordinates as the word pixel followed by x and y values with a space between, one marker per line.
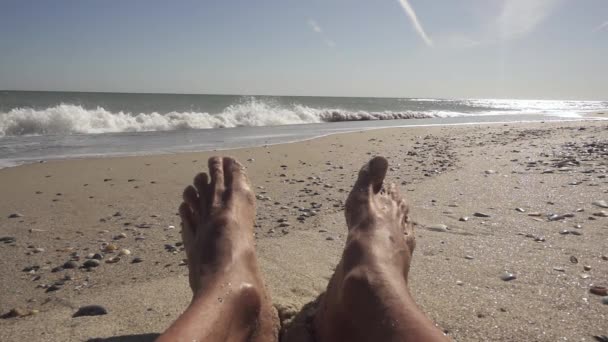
pixel 37 126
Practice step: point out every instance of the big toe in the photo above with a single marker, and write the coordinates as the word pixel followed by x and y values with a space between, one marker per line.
pixel 371 175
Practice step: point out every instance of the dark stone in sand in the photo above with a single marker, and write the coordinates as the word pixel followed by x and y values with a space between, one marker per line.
pixel 508 277
pixel 70 264
pixel 97 256
pixel 599 290
pixel 31 268
pixel 91 263
pixel 53 288
pixel 137 260
pixel 57 269
pixel 480 215
pixel 7 239
pixel 15 215
pixel 91 310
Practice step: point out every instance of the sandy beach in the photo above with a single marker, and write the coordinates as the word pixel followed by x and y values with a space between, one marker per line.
pixel 524 199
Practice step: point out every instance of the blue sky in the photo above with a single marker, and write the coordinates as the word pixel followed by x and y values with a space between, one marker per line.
pixel 555 49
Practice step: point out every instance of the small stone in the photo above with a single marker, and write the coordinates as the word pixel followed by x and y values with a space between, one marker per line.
pixel 469 257
pixel 601 204
pixel 601 214
pixel 559 269
pixel 574 232
pixel 91 310
pixel 490 172
pixel 564 232
pixel 15 215
pixel 7 239
pixel 110 248
pixel 463 219
pixel 91 263
pixel 587 268
pixel 438 228
pixel 598 290
pixel 478 214
pixel 120 236
pixel 521 210
pixel 124 251
pixel 16 312
pixel 38 250
pixel 137 260
pixel 113 260
pixel 573 259
pixel 605 302
pixel 329 238
pixel 284 224
pixel 508 276
pixel 53 288
pixel 459 283
pixel 535 214
pixel 98 256
pixel 70 264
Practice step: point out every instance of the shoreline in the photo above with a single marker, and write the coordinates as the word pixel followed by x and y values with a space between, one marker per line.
pixel 20 162
pixel 71 207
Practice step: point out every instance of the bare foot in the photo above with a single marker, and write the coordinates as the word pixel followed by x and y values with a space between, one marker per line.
pixel 217 229
pixel 367 298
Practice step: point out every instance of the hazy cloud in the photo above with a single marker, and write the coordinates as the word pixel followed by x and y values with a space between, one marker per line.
pixel 318 30
pixel 520 17
pixel 601 27
pixel 409 11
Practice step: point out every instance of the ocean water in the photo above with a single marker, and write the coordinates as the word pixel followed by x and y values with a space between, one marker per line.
pixel 49 125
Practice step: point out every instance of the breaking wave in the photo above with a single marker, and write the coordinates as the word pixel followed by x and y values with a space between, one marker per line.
pixel 74 119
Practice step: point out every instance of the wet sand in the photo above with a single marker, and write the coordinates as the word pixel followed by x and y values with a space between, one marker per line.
pixel 71 208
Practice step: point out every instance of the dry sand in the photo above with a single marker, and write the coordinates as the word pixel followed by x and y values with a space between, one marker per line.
pixel 74 206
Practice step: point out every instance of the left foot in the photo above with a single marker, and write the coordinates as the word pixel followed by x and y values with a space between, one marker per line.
pixel 217 230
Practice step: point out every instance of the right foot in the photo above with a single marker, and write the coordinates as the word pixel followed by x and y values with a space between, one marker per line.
pixel 370 284
pixel 217 230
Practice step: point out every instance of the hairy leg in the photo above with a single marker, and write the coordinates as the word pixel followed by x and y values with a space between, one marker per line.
pixel 368 298
pixel 229 302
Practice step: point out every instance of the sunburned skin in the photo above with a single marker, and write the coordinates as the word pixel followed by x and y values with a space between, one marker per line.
pixel 367 298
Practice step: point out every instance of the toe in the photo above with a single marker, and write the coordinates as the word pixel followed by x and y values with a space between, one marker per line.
pixel 191 198
pixel 372 175
pixel 201 182
pixel 235 176
pixel 217 186
pixel 187 216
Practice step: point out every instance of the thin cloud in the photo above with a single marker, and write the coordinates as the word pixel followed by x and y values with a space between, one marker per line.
pixel 601 27
pixel 315 27
pixel 409 11
pixel 520 17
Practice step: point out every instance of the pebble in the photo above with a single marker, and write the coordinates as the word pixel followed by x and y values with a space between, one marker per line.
pixel 521 210
pixel 601 204
pixel 98 256
pixel 124 251
pixel 15 215
pixel 137 260
pixel 601 214
pixel 508 277
pixel 329 238
pixel 113 260
pixel 91 310
pixel 573 259
pixel 605 302
pixel 120 236
pixel 91 263
pixel 7 239
pixel 478 214
pixel 110 248
pixel 463 219
pixel 598 290
pixel 438 228
pixel 38 250
pixel 535 214
pixel 70 264
pixel 459 283
pixel 559 269
pixel 469 257
pixel 587 268
pixel 18 312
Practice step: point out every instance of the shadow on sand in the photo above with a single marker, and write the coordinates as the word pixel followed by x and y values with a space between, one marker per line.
pixel 127 338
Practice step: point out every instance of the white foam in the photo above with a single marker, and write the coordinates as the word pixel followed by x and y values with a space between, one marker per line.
pixel 74 119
